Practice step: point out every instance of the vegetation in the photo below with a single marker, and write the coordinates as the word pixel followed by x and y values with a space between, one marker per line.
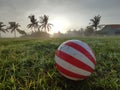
pixel 37 34
pixel 1 28
pixel 34 22
pixel 15 27
pixel 42 26
pixel 28 64
pixel 95 21
pixel 45 25
pixel 89 31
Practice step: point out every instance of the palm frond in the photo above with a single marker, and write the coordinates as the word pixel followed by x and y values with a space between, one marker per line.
pixel 34 22
pixel 44 23
pixel 12 30
pixel 30 26
pixel 95 21
pixel 21 31
pixel 3 30
pixel 50 24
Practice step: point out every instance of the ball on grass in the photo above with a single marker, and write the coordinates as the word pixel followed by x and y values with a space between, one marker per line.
pixel 75 60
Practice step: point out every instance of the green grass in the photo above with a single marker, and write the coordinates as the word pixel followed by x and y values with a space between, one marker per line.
pixel 28 64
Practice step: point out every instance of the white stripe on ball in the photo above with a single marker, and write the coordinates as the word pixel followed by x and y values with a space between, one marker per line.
pixel 71 67
pixel 76 54
pixel 72 78
pixel 85 46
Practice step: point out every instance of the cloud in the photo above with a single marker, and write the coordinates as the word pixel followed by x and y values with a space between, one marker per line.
pixel 20 7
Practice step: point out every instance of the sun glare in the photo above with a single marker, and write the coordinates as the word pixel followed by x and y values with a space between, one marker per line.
pixel 59 25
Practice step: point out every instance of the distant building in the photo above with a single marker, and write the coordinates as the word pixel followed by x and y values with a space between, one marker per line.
pixel 110 29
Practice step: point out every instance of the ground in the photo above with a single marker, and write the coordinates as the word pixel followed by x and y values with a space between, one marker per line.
pixel 28 64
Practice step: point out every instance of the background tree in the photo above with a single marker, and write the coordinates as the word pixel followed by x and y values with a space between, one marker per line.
pixel 89 30
pixel 15 27
pixel 44 25
pixel 95 21
pixel 34 23
pixel 1 28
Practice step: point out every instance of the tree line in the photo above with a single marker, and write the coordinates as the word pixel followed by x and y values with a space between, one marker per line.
pixel 43 25
pixel 35 25
pixel 91 29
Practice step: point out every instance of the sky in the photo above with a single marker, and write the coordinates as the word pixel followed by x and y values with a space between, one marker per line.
pixel 63 14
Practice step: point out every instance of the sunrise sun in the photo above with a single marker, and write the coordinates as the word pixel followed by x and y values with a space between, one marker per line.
pixel 59 25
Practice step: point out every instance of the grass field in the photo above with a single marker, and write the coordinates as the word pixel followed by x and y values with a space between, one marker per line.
pixel 28 64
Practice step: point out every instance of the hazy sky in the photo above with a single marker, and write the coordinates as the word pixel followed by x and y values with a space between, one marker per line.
pixel 73 13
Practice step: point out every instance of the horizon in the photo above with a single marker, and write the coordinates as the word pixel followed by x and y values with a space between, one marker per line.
pixel 64 15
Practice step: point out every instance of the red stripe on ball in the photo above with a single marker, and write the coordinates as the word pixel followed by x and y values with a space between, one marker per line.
pixel 82 50
pixel 73 61
pixel 69 73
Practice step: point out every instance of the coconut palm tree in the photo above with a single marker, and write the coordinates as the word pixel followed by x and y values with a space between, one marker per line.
pixel 1 28
pixel 44 24
pixel 95 21
pixel 34 22
pixel 15 27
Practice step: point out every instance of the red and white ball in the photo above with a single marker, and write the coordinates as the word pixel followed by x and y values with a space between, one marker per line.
pixel 75 60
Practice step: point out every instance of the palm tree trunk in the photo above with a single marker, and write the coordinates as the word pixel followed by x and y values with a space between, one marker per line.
pixel 0 34
pixel 34 29
pixel 96 28
pixel 45 29
pixel 15 33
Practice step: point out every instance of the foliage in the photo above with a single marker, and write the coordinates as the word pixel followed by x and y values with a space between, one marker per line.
pixel 74 32
pixel 34 22
pixel 28 64
pixel 44 24
pixel 15 27
pixel 1 28
pixel 89 31
pixel 95 21
pixel 37 34
pixel 22 32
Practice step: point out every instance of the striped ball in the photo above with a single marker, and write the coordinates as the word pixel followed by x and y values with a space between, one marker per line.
pixel 75 60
